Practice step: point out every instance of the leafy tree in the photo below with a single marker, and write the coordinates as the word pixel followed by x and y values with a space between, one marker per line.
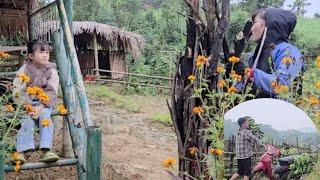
pixel 299 6
pixel 252 5
pixel 316 15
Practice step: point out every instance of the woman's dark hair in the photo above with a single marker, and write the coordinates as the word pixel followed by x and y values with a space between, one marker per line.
pixel 260 12
pixel 37 44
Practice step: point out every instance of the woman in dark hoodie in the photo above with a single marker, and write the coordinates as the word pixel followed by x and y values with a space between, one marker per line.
pixel 275 64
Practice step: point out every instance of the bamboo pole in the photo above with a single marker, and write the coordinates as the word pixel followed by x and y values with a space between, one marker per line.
pixel 94 153
pixel 69 98
pixel 67 143
pixel 75 67
pixel 95 49
pixel 41 165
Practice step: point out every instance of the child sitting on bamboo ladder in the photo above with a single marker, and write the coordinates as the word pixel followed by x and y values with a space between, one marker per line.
pixel 36 86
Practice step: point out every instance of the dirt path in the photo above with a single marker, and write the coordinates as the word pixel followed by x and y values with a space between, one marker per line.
pixel 133 147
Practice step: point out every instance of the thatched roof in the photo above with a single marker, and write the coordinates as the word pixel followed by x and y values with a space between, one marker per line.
pixel 13 16
pixel 108 37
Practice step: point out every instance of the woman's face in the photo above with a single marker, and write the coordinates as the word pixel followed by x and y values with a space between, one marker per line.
pixel 257 28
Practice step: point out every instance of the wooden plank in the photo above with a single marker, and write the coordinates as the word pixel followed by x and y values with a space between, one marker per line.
pixel 131 83
pixel 95 49
pixel 134 74
pixel 75 68
pixel 13 48
pixel 69 98
pixel 94 153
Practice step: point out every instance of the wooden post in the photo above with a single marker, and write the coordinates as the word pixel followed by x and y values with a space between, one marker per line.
pixel 69 97
pixel 96 57
pixel 66 144
pixel 30 21
pixel 94 154
pixel 75 67
pixel 1 165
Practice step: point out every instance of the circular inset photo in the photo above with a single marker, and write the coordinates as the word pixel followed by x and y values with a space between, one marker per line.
pixel 269 139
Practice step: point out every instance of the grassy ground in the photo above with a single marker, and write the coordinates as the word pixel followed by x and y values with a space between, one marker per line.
pixel 131 103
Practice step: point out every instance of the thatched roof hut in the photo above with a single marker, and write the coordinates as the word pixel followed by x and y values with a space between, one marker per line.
pixel 108 37
pixel 101 46
pixel 13 16
pixel 94 41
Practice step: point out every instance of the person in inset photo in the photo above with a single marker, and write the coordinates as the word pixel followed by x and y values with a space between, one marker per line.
pixel 245 141
pixel 275 65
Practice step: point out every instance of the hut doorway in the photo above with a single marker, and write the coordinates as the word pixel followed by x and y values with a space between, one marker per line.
pixel 104 63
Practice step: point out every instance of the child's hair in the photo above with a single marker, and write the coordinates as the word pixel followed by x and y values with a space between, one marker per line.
pixel 37 44
pixel 242 120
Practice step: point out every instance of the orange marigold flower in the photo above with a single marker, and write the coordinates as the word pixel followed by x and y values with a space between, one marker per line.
pixel 31 90
pixel 15 156
pixel 232 90
pixel 201 60
pixel 17 167
pixel 10 108
pixel 29 108
pixel 221 83
pixel 193 150
pixel 234 59
pixel 286 60
pixel 38 90
pixel 220 69
pixel 169 162
pixel 274 84
pixel 24 78
pixel 43 98
pixel 215 151
pixel 45 122
pixel 238 77
pixel 318 85
pixel 191 78
pixel 62 109
pixel 198 110
pixel 313 100
pixel 218 152
pixel 318 62
pixel 4 55
pixel 281 89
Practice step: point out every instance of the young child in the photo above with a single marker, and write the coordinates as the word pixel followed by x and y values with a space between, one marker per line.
pixel 36 86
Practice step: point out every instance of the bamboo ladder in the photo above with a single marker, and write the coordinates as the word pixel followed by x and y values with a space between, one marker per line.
pixel 85 137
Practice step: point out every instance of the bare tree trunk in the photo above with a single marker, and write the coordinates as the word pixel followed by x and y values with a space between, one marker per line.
pixel 203 39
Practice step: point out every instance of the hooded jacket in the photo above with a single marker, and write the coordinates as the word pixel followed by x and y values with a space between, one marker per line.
pixel 45 77
pixel 271 67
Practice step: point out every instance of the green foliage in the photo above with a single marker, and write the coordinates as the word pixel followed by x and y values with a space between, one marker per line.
pixel 115 99
pixel 156 20
pixel 301 165
pixel 255 128
pixel 252 5
pixel 306 36
pixel 163 118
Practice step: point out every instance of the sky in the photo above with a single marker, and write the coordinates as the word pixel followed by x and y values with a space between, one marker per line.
pixel 279 114
pixel 311 10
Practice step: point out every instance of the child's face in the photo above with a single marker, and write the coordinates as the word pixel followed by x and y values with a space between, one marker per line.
pixel 39 56
pixel 245 124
